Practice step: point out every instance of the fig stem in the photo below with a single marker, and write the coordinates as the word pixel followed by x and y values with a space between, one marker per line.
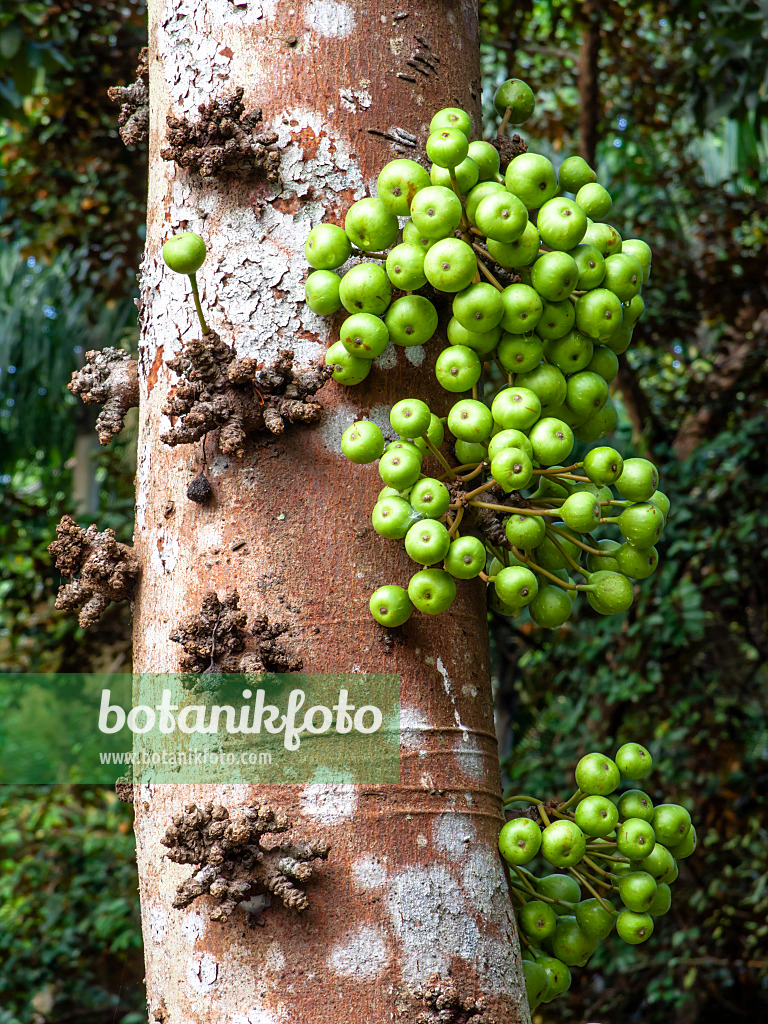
pixel 198 307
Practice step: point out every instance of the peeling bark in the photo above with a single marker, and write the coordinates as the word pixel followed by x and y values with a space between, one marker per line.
pixel 413 887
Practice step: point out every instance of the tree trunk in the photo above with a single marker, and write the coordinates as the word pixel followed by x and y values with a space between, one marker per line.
pixel 413 887
pixel 588 82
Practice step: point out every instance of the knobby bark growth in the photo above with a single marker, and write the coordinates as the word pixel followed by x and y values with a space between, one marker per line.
pixel 409 918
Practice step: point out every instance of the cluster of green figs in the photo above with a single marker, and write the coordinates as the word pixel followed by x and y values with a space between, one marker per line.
pixel 537 355
pixel 606 859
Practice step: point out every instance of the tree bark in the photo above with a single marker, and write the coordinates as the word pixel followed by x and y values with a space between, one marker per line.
pixel 413 887
pixel 637 405
pixel 588 82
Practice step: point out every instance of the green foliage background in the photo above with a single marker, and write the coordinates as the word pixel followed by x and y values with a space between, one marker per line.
pixel 683 88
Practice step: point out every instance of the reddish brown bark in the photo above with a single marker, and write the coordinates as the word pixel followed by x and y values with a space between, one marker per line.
pixel 413 886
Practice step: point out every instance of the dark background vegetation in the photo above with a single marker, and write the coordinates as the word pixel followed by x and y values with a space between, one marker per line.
pixel 670 100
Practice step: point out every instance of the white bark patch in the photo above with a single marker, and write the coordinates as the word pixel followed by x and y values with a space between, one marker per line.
pixel 252 282
pixel 275 960
pixel 190 52
pixel 448 687
pixel 255 1016
pixel 334 424
pixel 368 873
pixel 354 99
pixel 165 553
pixel 413 725
pixel 202 973
pixel 329 803
pixel 432 922
pixel 193 927
pixel 263 287
pixel 485 886
pixel 365 954
pixel 158 924
pixel 142 484
pixel 452 833
pixel 330 18
pixel 379 414
pixel 253 10
pixel 415 354
pixel 435 917
pixel 208 537
pixel 218 465
pixel 470 757
pixel 388 358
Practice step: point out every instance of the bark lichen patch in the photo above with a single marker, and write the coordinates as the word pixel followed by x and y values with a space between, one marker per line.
pixel 439 918
pixel 110 377
pixel 158 924
pixel 133 119
pixel 443 1002
pixel 332 18
pixel 223 140
pixel 102 568
pixel 238 858
pixel 218 390
pixel 453 835
pixel 218 639
pixel 330 804
pixel 193 927
pixel 193 58
pixel 369 873
pixel 165 553
pixel 365 953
